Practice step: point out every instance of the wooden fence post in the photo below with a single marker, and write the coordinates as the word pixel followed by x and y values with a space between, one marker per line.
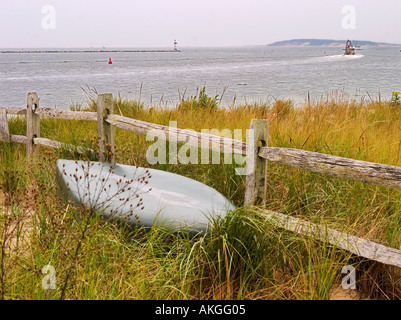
pixel 32 123
pixel 256 167
pixel 105 130
pixel 4 133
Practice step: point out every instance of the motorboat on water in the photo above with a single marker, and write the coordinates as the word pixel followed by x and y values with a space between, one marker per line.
pixel 349 48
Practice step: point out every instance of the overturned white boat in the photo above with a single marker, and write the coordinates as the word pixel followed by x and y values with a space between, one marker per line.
pixel 140 196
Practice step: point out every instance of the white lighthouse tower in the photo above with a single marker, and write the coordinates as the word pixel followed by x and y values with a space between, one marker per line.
pixel 175 46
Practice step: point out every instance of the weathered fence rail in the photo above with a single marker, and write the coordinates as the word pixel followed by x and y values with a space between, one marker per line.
pixel 361 247
pixel 369 172
pixel 141 127
pixel 256 150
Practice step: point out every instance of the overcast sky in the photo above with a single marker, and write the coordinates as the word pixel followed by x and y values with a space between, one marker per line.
pixel 156 23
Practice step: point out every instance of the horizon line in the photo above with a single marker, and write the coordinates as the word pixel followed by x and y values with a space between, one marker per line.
pixel 186 46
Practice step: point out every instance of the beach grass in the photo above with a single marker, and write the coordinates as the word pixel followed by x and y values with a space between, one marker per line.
pixel 245 256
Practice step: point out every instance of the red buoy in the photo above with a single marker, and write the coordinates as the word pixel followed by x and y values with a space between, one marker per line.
pixel 110 62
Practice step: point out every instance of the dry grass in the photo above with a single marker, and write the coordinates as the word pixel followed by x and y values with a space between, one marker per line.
pixel 120 263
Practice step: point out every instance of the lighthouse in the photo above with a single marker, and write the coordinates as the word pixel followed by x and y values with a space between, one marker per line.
pixel 175 45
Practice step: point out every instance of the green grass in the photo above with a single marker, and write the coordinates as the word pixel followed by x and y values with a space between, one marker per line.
pixel 245 257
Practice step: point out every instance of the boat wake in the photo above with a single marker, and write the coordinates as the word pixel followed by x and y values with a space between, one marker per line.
pixel 335 58
pixel 345 57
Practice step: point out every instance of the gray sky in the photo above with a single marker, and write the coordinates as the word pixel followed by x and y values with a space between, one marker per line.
pixel 156 23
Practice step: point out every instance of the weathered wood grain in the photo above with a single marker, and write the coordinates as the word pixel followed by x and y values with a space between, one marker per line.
pixel 15 110
pixel 17 139
pixel 256 167
pixel 361 247
pixel 32 123
pixel 67 114
pixel 213 142
pixel 4 133
pixel 192 138
pixel 104 129
pixel 59 145
pixel 369 172
pixel 46 112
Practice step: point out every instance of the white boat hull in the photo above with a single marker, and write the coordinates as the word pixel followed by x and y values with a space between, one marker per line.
pixel 158 198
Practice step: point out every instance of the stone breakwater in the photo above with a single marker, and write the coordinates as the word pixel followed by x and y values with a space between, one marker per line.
pixel 82 51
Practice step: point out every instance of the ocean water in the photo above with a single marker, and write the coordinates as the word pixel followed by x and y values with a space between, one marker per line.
pixel 237 74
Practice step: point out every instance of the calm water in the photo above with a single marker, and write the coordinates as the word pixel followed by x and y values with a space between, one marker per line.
pixel 245 74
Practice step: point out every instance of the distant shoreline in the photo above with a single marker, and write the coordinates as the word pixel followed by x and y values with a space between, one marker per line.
pixel 328 43
pixel 85 51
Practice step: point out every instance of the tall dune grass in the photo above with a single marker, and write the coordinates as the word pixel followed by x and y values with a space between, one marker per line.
pixel 245 257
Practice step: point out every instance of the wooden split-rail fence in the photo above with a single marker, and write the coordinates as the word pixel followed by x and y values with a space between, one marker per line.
pixel 257 153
